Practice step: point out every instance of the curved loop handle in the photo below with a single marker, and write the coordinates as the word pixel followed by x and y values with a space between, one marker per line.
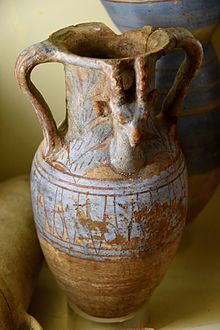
pixel 41 52
pixel 181 38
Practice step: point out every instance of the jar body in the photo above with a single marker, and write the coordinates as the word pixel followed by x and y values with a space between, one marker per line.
pixel 109 185
pixel 108 243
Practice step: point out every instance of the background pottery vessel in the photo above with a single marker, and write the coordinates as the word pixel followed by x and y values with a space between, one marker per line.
pixel 20 255
pixel 109 186
pixel 198 125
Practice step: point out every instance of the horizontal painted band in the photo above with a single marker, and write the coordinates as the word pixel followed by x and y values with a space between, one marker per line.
pixel 76 183
pixel 139 1
pixel 191 14
pixel 97 255
pixel 153 1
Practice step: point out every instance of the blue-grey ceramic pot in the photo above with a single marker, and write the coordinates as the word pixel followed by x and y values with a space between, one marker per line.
pixel 109 186
pixel 199 121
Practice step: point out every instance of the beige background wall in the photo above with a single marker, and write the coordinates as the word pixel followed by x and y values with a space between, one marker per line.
pixel 22 23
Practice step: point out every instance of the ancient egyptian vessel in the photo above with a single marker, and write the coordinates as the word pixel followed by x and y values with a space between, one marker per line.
pixel 109 186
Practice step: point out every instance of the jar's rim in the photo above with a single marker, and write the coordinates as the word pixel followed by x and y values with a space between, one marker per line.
pixel 95 43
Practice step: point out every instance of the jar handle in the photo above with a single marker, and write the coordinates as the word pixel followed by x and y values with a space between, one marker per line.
pixel 180 38
pixel 41 52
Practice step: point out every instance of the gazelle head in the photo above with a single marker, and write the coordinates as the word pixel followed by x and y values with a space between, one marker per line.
pixel 131 119
pixel 130 123
pixel 130 104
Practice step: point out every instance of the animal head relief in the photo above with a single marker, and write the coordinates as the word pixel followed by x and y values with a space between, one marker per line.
pixel 132 131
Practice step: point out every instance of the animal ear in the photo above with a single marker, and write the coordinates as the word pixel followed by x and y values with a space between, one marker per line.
pixel 152 97
pixel 101 108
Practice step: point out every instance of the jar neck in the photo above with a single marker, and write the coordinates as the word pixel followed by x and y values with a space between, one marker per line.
pixel 83 87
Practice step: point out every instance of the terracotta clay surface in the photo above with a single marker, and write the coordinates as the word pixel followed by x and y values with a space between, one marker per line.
pixel 109 186
pixel 20 255
pixel 119 288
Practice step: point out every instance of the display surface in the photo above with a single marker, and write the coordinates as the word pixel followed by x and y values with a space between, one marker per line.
pixel 109 186
pixel 198 125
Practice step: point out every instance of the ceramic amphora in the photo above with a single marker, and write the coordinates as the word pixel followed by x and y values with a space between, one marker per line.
pixel 199 120
pixel 109 186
